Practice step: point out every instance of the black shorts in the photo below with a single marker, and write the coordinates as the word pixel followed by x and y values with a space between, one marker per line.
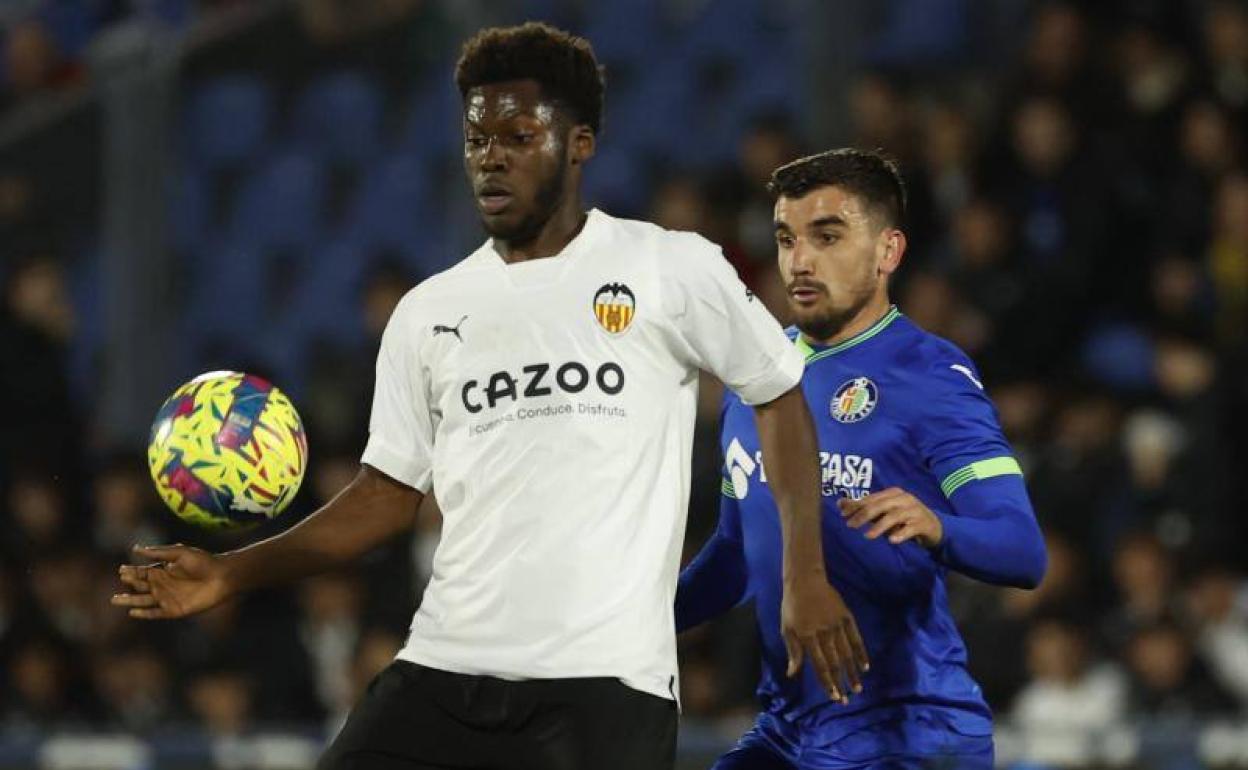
pixel 418 718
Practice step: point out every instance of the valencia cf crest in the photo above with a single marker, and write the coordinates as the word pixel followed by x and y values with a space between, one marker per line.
pixel 855 400
pixel 614 307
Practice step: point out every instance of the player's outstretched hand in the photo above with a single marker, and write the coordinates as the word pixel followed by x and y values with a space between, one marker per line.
pixel 896 513
pixel 181 582
pixel 816 623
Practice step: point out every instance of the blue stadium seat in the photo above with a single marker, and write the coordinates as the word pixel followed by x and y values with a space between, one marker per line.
pixel 667 89
pixel 282 205
pixel 432 128
pixel 623 30
pixel 227 120
pixel 71 23
pixel 339 118
pixel 190 210
pixel 392 204
pixel 721 30
pixel 228 299
pixel 921 32
pixel 615 180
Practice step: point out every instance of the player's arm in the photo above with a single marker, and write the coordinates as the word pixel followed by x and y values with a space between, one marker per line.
pixel 992 533
pixel 722 328
pixel 183 581
pixel 381 501
pixel 717 579
pixel 814 617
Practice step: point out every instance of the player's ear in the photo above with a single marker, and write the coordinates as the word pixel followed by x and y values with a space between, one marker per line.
pixel 892 248
pixel 582 144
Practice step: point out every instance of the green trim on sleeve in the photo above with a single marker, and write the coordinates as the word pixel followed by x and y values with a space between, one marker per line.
pixel 725 487
pixel 984 469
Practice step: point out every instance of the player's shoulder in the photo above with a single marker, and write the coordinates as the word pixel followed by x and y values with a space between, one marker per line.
pixel 671 248
pixel 938 364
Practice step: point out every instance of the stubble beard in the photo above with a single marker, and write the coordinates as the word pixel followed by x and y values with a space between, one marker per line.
pixel 827 322
pixel 547 199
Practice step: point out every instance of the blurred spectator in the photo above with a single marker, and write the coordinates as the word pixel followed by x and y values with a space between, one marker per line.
pixel 1228 257
pixel 126 509
pixel 35 516
pixel 996 622
pixel 36 323
pixel 220 700
pixel 1144 574
pixel 43 693
pixel 330 630
pixel 1226 52
pixel 1168 681
pixel 134 686
pixel 1209 148
pixel 33 64
pixel 1217 604
pixel 1070 698
pixel 949 146
pixel 62 584
pixel 1080 473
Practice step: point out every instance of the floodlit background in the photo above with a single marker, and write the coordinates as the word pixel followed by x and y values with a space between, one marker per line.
pixel 187 186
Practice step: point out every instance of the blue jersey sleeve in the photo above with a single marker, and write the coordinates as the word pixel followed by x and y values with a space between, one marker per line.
pixel 716 580
pixel 992 534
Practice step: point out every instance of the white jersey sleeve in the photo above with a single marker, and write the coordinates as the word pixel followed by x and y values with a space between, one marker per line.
pixel 400 430
pixel 725 329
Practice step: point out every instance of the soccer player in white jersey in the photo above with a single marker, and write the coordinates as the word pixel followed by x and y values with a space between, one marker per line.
pixel 545 388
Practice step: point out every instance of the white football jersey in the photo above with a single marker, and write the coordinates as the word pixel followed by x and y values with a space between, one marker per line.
pixel 550 403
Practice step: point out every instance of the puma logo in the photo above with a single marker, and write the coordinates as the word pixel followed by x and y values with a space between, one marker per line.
pixel 967 372
pixel 440 329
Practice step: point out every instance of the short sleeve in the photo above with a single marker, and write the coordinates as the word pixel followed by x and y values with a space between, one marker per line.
pixel 400 429
pixel 726 330
pixel 958 432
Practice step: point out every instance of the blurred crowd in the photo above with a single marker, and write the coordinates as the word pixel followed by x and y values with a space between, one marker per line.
pixel 1078 224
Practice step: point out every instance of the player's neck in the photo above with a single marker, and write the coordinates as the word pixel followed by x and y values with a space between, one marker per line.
pixel 871 312
pixel 564 225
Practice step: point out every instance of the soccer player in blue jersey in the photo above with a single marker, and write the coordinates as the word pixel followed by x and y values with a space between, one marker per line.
pixel 917 480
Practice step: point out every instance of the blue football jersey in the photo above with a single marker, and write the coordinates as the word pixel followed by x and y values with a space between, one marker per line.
pixel 893 406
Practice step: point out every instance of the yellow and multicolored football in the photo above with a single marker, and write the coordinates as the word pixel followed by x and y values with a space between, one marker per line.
pixel 227 451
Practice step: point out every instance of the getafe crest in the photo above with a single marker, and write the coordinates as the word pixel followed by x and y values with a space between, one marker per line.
pixel 854 400
pixel 614 307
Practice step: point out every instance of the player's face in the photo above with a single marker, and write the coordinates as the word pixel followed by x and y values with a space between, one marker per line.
pixel 516 156
pixel 835 256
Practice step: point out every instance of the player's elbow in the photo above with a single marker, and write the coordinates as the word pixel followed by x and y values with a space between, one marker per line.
pixel 1033 562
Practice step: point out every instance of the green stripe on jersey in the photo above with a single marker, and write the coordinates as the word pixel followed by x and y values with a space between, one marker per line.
pixel 813 355
pixel 726 487
pixel 984 469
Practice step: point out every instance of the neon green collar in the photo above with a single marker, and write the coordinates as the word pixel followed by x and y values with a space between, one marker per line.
pixel 813 355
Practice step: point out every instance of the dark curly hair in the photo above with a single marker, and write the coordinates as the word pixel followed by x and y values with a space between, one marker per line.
pixel 871 175
pixel 562 64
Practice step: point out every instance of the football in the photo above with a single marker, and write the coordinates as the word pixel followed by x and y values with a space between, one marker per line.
pixel 227 451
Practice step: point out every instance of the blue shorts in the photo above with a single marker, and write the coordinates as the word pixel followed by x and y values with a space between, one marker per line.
pixel 910 744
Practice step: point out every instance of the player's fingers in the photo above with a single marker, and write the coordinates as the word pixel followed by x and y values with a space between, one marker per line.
pixel 795 654
pixel 845 653
pixel 826 669
pixel 872 510
pixel 133 600
pixel 134 580
pixel 907 531
pixel 857 646
pixel 169 553
pixel 886 523
pixel 150 613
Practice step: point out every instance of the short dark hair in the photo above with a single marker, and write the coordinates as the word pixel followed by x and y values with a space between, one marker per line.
pixel 871 175
pixel 562 64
